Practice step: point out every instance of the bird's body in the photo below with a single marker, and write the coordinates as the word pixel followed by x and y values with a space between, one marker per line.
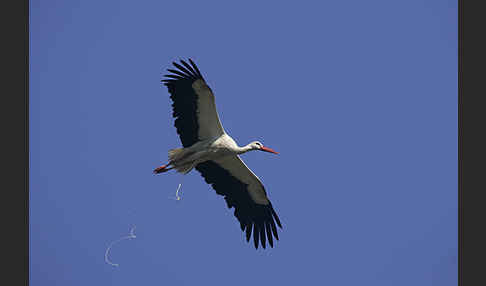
pixel 185 159
pixel 209 149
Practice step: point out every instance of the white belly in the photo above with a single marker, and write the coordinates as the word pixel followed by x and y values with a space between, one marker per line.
pixel 212 149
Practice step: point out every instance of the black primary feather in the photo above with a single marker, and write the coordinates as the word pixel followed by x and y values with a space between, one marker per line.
pixel 184 98
pixel 247 211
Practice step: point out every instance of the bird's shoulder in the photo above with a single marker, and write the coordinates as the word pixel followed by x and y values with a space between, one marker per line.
pixel 224 142
pixel 201 87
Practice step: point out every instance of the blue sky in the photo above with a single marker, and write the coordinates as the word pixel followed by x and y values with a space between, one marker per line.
pixel 359 98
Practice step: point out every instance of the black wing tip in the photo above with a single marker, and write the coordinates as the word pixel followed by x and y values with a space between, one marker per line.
pixel 184 71
pixel 195 67
pixel 255 219
pixel 263 238
pixel 275 216
pixel 264 228
pixel 248 232
pixel 269 234
pixel 255 235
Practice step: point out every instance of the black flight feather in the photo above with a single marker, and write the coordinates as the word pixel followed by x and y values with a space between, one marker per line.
pixel 236 195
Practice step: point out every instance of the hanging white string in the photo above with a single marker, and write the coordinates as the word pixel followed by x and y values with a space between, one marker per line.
pixel 130 236
pixel 177 197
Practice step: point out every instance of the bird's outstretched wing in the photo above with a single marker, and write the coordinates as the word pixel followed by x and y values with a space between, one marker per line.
pixel 193 104
pixel 242 189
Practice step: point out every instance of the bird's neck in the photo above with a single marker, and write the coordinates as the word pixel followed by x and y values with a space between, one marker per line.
pixel 244 149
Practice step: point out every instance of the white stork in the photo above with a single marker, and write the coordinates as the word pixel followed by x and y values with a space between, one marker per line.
pixel 215 154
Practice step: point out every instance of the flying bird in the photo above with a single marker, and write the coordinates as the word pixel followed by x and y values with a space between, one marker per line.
pixel 214 154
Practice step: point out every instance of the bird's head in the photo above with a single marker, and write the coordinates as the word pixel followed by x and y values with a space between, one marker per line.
pixel 256 145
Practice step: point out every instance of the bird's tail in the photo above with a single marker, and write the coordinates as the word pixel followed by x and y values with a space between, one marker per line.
pixel 176 158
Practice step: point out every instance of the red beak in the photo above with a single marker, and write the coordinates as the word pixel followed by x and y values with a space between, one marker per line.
pixel 266 149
